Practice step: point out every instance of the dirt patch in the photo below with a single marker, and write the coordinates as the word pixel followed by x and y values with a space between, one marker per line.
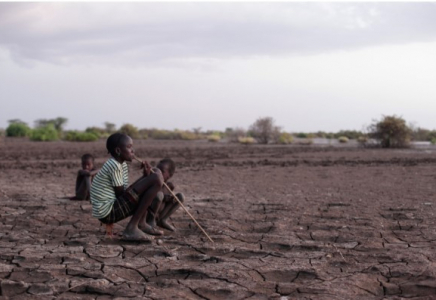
pixel 289 222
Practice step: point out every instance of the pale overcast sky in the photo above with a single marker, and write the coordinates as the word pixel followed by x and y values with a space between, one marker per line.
pixel 311 66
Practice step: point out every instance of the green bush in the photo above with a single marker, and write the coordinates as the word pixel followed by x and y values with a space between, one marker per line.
pixel 99 132
pixel 301 135
pixel 433 141
pixel 18 130
pixel 44 134
pixel 391 132
pixel 350 134
pixel 77 136
pixel 285 138
pixel 343 139
pixel 431 135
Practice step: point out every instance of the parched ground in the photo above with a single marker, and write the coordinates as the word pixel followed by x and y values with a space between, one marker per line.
pixel 289 222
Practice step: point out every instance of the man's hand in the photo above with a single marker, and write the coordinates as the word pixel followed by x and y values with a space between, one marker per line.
pixel 147 168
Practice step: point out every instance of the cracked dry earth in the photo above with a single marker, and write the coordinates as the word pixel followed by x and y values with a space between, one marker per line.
pixel 289 222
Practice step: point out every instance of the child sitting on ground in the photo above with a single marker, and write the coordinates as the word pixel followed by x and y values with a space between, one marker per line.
pixel 85 177
pixel 113 200
pixel 164 204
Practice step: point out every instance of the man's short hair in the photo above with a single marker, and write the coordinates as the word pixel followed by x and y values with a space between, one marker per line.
pixel 113 141
pixel 170 163
pixel 87 156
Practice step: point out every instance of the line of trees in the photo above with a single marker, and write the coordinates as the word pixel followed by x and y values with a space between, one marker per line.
pixel 388 132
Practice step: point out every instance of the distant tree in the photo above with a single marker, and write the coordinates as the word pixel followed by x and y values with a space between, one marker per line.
pixel 110 127
pixel 264 130
pixel 421 134
pixel 57 123
pixel 97 131
pixel 16 121
pixel 196 130
pixel 391 132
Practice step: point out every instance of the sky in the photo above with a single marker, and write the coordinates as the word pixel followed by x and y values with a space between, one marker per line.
pixel 309 65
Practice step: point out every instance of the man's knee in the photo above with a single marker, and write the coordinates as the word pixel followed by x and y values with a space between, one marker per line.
pixel 157 179
pixel 181 197
pixel 159 197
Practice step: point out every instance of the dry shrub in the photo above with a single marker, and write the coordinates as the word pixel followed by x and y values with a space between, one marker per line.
pixel 248 140
pixel 213 138
pixel 188 135
pixel 264 130
pixel 362 140
pixel 285 138
pixel 390 132
pixel 343 139
pixel 233 134
pixel 305 142
pixel 130 130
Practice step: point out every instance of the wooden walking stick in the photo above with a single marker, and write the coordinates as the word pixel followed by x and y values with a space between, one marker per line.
pixel 181 204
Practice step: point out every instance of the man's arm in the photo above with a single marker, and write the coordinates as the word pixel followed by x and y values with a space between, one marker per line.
pixel 88 173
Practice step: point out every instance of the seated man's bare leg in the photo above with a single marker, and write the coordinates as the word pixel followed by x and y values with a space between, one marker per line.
pixel 148 222
pixel 147 188
pixel 170 207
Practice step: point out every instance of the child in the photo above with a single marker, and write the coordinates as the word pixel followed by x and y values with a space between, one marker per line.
pixel 164 205
pixel 113 200
pixel 84 178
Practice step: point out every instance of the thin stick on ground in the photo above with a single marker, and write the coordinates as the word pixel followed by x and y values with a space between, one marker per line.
pixel 339 252
pixel 181 204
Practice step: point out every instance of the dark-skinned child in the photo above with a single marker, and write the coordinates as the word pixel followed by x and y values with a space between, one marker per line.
pixel 164 204
pixel 113 199
pixel 84 178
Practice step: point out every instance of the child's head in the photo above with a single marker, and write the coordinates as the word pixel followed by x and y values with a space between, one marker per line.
pixel 167 167
pixel 87 162
pixel 120 146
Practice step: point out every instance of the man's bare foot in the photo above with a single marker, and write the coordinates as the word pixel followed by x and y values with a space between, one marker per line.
pixel 164 224
pixel 136 235
pixel 148 229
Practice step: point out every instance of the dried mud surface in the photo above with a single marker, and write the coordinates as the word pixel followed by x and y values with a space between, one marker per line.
pixel 289 222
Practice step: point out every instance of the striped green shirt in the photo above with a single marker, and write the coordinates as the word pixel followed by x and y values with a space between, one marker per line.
pixel 102 189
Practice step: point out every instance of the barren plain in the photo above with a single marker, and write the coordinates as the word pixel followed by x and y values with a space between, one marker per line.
pixel 288 222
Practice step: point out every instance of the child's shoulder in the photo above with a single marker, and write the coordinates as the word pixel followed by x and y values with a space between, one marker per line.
pixel 112 164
